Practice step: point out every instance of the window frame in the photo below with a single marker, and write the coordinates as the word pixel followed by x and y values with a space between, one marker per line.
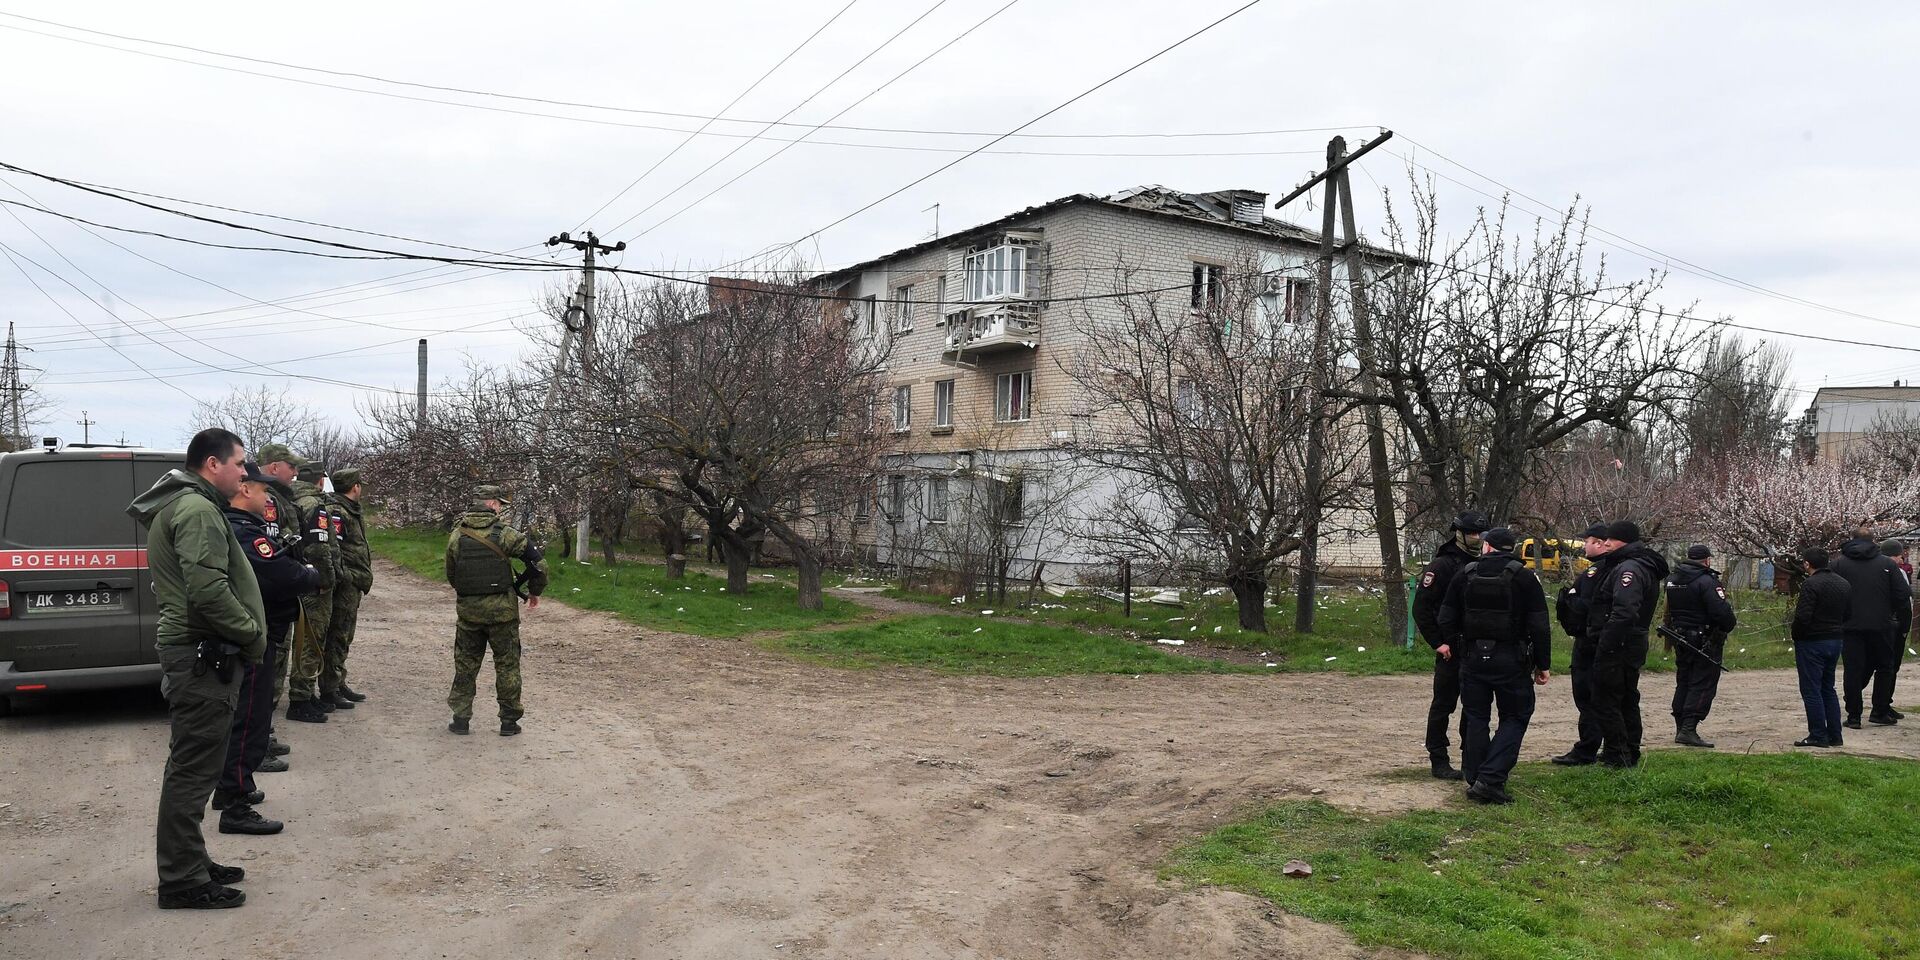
pixel 938 507
pixel 994 273
pixel 943 413
pixel 1208 287
pixel 902 408
pixel 895 506
pixel 900 309
pixel 1003 397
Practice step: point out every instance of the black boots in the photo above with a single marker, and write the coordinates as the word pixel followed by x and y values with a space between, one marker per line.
pixel 1689 735
pixel 509 728
pixel 241 818
pixel 1488 793
pixel 459 726
pixel 350 694
pixel 306 711
pixel 1443 768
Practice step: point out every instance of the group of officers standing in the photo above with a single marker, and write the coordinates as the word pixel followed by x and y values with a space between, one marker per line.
pixel 258 571
pixel 1484 612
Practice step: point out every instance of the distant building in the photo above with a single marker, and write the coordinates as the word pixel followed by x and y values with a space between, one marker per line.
pixel 1841 415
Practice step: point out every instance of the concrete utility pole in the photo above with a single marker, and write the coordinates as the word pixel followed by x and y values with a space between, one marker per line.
pixel 420 389
pixel 590 246
pixel 1339 193
pixel 86 427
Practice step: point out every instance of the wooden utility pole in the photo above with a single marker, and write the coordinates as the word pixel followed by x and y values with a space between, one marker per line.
pixel 590 246
pixel 1339 195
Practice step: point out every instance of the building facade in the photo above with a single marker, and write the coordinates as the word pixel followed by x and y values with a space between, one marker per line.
pixel 1842 415
pixel 985 327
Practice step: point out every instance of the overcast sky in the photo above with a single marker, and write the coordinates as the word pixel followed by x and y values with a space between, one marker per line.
pixel 1769 143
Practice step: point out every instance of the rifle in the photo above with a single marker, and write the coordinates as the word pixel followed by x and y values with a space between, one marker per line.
pixel 1682 639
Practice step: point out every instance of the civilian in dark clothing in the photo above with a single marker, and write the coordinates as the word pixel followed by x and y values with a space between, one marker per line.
pixel 1570 608
pixel 1882 607
pixel 1453 556
pixel 1495 617
pixel 1618 618
pixel 1819 622
pixel 282 581
pixel 1697 610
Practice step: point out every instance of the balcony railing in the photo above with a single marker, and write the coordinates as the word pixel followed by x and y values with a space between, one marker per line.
pixel 987 328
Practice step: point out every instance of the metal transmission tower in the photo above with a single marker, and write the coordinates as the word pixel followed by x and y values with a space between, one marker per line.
pixel 13 396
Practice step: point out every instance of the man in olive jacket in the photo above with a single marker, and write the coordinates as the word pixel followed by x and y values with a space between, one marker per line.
pixel 356 571
pixel 479 565
pixel 211 619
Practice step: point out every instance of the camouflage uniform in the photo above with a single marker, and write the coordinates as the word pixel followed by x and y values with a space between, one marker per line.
pixel 310 632
pixel 489 616
pixel 356 578
pixel 283 518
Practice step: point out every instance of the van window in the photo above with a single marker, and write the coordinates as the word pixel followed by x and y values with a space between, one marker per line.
pixel 70 503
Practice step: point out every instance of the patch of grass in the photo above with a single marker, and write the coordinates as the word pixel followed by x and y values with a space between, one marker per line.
pixel 1692 855
pixel 640 593
pixel 1346 621
pixel 978 645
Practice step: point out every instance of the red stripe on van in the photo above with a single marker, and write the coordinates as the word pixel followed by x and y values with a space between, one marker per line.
pixel 101 559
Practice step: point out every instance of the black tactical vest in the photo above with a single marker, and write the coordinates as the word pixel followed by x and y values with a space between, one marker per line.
pixel 481 569
pixel 1489 601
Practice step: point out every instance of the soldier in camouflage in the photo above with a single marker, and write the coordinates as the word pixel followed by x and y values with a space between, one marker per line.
pixel 478 561
pixel 356 569
pixel 310 632
pixel 282 520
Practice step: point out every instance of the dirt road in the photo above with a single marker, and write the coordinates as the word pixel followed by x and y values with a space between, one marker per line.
pixel 676 797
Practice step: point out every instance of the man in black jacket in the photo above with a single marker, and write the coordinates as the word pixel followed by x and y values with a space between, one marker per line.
pixel 1463 544
pixel 1618 618
pixel 282 581
pixel 1495 619
pixel 1570 608
pixel 1819 622
pixel 1698 611
pixel 1882 607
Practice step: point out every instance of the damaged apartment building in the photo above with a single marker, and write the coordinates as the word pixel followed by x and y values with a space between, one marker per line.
pixel 984 326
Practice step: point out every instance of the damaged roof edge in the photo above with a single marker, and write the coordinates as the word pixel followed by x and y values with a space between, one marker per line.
pixel 1270 228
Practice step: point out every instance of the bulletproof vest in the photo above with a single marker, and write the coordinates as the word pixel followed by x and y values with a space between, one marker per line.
pixel 1489 601
pixel 1684 604
pixel 477 569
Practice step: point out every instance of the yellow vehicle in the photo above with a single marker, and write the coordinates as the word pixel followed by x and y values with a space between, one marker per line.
pixel 1553 555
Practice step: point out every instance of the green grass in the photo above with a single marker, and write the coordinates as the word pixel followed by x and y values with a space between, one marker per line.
pixel 640 593
pixel 1346 621
pixel 1692 855
pixel 980 645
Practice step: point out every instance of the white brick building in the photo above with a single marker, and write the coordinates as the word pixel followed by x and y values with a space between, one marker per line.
pixel 978 393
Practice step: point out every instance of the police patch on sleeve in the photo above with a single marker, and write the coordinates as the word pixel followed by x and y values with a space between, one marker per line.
pixel 1626 578
pixel 1722 591
pixel 263 547
pixel 1426 579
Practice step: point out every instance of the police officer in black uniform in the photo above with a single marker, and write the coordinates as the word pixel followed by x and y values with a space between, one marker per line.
pixel 1462 546
pixel 1495 619
pixel 1699 618
pixel 1618 617
pixel 1570 608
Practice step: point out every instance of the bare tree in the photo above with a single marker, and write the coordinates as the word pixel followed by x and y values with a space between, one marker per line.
pixel 477 431
pixel 1496 348
pixel 1741 402
pixel 1892 444
pixel 1198 412
pixel 261 415
pixel 1767 505
pixel 1598 474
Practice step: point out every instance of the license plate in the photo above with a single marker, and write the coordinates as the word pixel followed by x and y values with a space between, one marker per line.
pixel 58 601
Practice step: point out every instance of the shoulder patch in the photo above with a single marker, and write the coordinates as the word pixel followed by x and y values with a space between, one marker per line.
pixel 1626 578
pixel 263 547
pixel 273 513
pixel 1426 579
pixel 1722 591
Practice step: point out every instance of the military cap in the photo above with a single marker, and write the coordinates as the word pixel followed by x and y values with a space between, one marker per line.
pixel 490 491
pixel 281 453
pixel 1501 538
pixel 1699 551
pixel 311 471
pixel 345 478
pixel 1472 521
pixel 253 472
pixel 1597 531
pixel 1625 531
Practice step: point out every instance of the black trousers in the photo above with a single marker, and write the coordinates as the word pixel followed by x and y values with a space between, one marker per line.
pixel 1696 679
pixel 1504 680
pixel 1869 655
pixel 1446 695
pixel 1588 746
pixel 252 720
pixel 1616 699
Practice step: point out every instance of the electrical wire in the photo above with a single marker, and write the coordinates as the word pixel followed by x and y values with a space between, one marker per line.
pixel 715 118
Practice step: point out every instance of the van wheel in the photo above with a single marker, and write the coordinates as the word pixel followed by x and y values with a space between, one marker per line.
pixel 6 707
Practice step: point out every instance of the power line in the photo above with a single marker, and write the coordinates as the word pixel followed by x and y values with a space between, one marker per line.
pixel 843 112
pixel 1049 112
pixel 742 145
pixel 715 118
pixel 8 252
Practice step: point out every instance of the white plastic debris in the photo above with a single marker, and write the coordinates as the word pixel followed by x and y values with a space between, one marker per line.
pixel 978 629
pixel 1218 629
pixel 1360 649
pixel 1330 660
pixel 1763 938
pixel 986 613
pixel 679 609
pixel 1171 643
pixel 576 589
